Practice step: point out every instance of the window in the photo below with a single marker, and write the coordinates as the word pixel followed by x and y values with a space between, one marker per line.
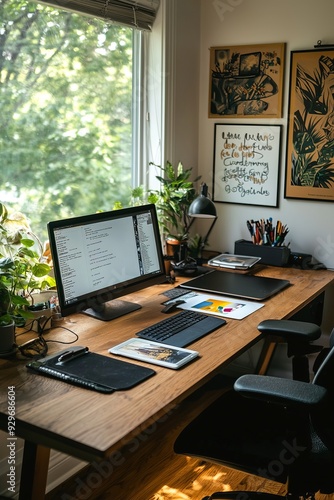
pixel 67 114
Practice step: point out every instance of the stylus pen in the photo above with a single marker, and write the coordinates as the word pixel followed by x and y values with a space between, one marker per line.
pixel 66 356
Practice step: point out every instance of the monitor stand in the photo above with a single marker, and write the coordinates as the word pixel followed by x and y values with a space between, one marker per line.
pixel 111 310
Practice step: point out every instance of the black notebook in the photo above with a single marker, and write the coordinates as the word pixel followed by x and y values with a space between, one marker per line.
pixel 79 366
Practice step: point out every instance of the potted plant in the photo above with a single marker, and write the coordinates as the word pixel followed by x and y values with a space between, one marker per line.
pixel 22 270
pixel 174 198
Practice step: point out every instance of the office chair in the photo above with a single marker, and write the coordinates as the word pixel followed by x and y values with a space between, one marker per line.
pixel 276 428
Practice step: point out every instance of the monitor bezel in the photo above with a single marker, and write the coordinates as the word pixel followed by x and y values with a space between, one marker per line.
pixel 103 296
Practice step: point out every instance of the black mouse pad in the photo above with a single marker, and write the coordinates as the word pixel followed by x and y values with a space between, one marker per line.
pixel 93 371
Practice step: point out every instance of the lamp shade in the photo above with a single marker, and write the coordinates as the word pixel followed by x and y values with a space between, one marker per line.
pixel 202 206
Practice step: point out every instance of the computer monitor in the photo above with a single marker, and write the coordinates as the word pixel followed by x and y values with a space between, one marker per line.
pixel 100 257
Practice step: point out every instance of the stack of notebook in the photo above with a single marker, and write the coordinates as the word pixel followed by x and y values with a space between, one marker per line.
pixel 231 261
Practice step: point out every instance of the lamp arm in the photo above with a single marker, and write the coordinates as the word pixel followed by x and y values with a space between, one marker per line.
pixel 208 233
pixel 190 224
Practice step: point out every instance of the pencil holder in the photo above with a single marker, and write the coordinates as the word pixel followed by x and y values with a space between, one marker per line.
pixel 271 256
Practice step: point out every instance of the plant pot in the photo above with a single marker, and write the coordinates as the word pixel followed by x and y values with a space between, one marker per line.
pixel 7 339
pixel 176 249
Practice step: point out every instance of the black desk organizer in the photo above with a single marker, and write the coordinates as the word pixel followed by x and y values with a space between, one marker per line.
pixel 271 256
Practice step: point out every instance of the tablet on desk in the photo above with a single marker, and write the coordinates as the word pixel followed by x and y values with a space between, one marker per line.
pixel 237 285
pixel 154 352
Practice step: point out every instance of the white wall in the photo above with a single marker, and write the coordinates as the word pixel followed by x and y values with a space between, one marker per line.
pixel 201 24
pixel 299 24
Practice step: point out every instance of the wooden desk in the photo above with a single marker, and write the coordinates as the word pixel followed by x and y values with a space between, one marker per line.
pixel 54 415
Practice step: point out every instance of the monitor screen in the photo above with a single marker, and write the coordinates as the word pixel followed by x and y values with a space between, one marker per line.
pixel 100 257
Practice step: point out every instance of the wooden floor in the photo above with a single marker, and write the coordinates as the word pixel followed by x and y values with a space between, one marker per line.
pixel 193 480
pixel 197 479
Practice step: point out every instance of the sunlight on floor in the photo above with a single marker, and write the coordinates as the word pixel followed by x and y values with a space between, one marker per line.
pixel 170 493
pixel 197 488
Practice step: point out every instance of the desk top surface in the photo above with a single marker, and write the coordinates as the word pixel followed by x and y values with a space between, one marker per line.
pixel 91 425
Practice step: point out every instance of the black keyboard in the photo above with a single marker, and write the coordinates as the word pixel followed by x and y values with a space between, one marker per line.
pixel 181 329
pixel 176 292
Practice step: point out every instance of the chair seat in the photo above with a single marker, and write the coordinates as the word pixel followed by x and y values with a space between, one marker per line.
pixel 234 432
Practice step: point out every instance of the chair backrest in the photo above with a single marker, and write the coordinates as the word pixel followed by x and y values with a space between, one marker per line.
pixel 323 419
pixel 331 339
pixel 325 373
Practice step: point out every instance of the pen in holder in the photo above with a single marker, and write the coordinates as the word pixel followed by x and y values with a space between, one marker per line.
pixel 263 232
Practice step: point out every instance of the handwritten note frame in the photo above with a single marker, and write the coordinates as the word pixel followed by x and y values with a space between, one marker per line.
pixel 247 164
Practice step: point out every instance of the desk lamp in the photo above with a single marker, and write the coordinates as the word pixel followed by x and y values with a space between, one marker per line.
pixel 203 208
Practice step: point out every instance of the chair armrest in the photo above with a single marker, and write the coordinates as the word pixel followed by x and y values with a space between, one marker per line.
pixel 281 391
pixel 290 330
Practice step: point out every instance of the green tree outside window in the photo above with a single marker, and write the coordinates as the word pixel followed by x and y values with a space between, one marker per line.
pixel 66 112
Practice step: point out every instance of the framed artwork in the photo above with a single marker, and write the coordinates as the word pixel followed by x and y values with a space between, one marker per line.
pixel 310 137
pixel 247 164
pixel 246 81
